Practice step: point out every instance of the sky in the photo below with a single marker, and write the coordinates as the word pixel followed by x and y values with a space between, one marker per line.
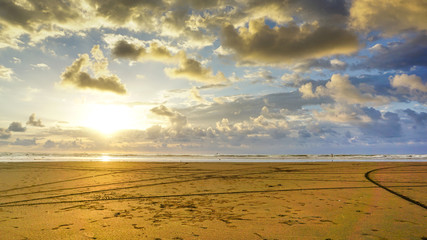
pixel 220 76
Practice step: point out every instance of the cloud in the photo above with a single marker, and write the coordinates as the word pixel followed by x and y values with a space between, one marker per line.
pixel 215 85
pixel 188 68
pixel 178 23
pixel 419 118
pixel 319 65
pixel 264 45
pixel 369 121
pixel 191 23
pixel 123 49
pixel 25 142
pixel 263 76
pixel 41 66
pixel 51 18
pixel 123 12
pixel 389 16
pixel 131 51
pixel 240 108
pixel 154 132
pixel 201 5
pixel 387 126
pixel 5 133
pixel 282 12
pixel 16 127
pixel 16 60
pixel 410 52
pixel 33 122
pixel 38 19
pixel 177 120
pixel 294 79
pixel 342 113
pixel 195 95
pixel 76 76
pixel 193 70
pixel 49 144
pixel 260 126
pixel 342 90
pixel 411 82
pixel 6 73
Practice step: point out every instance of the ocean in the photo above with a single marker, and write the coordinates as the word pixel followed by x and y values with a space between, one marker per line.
pixel 88 157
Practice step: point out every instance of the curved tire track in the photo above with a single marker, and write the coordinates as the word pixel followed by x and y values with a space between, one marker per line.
pixel 17 204
pixel 200 178
pixel 368 177
pixel 109 172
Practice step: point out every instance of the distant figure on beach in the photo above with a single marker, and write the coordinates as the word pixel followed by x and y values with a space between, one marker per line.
pixel 332 157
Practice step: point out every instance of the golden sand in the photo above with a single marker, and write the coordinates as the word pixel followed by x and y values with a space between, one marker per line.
pixel 119 200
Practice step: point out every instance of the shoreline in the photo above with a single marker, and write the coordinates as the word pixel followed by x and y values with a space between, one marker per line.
pixel 208 158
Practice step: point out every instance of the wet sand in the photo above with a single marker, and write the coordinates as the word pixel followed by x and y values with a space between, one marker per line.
pixel 119 200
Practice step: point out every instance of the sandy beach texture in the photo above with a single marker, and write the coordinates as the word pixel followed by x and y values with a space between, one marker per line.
pixel 119 200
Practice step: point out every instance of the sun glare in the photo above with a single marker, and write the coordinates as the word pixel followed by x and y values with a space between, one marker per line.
pixel 109 118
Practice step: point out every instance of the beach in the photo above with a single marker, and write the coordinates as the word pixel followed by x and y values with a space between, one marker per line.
pixel 181 200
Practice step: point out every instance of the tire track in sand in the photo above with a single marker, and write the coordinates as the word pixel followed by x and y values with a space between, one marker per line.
pixel 368 177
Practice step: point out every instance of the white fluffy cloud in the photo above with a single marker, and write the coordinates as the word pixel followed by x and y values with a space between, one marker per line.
pixel 264 125
pixel 195 95
pixel 411 82
pixel 5 73
pixel 342 90
pixel 342 113
pixel 41 66
pixel 76 75
pixel 177 120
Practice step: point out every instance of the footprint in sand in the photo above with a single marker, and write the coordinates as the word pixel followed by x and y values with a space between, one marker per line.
pixel 136 227
pixel 62 225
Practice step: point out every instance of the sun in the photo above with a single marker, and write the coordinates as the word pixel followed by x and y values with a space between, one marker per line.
pixel 108 119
